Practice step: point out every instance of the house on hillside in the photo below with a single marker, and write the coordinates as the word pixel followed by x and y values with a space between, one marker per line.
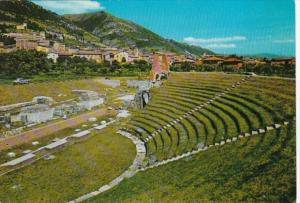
pixel 255 62
pixel 146 57
pixel 22 26
pixel 199 61
pixel 53 56
pixel 42 49
pixel 109 55
pixel 1 47
pixel 132 58
pixel 59 47
pixel 213 60
pixel 283 61
pixel 26 44
pixel 44 42
pixel 233 62
pixel 121 57
pixel 72 50
pixel 90 55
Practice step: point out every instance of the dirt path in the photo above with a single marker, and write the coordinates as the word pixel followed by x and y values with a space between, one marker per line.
pixel 49 129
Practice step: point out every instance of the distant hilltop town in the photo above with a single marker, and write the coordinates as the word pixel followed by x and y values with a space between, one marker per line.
pixel 52 44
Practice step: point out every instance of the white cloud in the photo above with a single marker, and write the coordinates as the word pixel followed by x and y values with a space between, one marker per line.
pixel 70 6
pixel 224 46
pixel 192 40
pixel 283 41
pixel 216 42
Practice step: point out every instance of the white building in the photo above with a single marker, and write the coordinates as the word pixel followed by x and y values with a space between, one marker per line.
pixel 53 56
pixel 36 114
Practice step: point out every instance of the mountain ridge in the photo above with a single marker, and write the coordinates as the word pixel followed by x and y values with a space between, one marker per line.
pixel 117 32
pixel 97 29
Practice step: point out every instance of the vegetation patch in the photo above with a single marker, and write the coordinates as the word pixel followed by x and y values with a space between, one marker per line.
pixel 76 169
pixel 243 171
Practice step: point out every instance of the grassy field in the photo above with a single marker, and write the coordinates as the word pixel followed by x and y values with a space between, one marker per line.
pixel 76 169
pixel 48 139
pixel 260 168
pixel 11 94
pixel 239 172
pixel 256 169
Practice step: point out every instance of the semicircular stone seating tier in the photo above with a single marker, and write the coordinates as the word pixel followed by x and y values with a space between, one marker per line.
pixel 192 110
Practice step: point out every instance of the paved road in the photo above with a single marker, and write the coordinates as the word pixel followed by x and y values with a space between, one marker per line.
pixel 49 129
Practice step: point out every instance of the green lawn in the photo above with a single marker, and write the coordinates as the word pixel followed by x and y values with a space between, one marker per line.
pixel 58 90
pixel 48 139
pixel 76 170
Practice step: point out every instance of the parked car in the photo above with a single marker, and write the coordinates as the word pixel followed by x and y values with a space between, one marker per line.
pixel 20 81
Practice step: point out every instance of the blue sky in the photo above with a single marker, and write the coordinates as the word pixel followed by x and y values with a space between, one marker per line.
pixel 224 26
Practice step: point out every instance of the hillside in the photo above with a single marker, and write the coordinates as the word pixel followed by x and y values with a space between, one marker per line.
pixel 93 29
pixel 15 12
pixel 116 32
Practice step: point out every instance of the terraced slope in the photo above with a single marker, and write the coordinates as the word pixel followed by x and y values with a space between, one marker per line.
pixel 219 112
pixel 194 110
pixel 260 168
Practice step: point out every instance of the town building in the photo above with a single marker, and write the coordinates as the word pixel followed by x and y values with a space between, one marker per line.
pixel 26 44
pixel 213 60
pixel 59 47
pixel 121 57
pixel 283 61
pixel 2 47
pixel 23 26
pixel 199 62
pixel 233 61
pixel 90 55
pixel 146 57
pixel 254 62
pixel 53 56
pixel 42 49
pixel 109 55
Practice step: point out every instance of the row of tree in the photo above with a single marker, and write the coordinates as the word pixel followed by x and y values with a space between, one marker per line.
pixel 266 69
pixel 28 64
pixel 32 63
